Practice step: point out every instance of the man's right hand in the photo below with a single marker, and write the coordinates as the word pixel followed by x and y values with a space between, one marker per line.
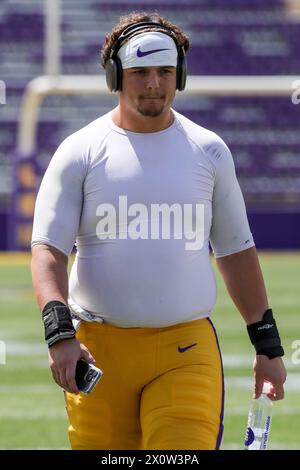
pixel 63 357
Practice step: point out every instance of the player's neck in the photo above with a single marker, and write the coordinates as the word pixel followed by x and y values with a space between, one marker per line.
pixel 135 122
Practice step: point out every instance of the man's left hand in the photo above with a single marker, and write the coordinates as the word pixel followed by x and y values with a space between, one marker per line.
pixel 272 371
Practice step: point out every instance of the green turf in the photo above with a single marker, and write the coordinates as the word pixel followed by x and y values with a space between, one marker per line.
pixel 32 412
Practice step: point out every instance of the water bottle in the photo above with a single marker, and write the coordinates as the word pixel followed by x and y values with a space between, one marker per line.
pixel 259 421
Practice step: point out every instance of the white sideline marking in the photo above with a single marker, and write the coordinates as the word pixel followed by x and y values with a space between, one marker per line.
pixel 247 361
pixel 243 410
pixel 237 361
pixel 292 383
pixel 16 348
pixel 228 446
pixel 37 448
pixel 244 383
pixel 23 349
pixel 28 389
pixel 33 415
pixel 272 446
pixel 34 364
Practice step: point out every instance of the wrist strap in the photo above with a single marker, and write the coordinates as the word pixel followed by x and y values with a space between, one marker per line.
pixel 57 322
pixel 265 337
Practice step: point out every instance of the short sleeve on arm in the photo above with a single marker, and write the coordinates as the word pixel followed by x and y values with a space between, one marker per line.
pixel 59 200
pixel 230 231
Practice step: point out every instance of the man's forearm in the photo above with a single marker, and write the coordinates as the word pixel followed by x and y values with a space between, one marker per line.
pixel 244 281
pixel 49 269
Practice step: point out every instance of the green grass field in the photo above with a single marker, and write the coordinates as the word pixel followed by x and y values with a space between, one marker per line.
pixel 32 411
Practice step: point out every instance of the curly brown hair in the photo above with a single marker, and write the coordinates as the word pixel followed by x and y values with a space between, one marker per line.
pixel 138 17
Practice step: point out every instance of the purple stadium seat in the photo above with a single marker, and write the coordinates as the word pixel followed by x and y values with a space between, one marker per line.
pixel 27 26
pixel 212 4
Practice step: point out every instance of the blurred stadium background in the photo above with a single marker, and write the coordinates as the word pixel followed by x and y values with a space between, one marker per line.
pixel 249 38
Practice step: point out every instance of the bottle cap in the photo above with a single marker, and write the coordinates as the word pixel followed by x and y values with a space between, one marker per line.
pixel 266 388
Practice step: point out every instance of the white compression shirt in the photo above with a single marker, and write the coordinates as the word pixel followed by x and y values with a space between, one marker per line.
pixel 99 191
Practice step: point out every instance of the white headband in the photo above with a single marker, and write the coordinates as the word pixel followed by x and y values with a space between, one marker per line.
pixel 148 50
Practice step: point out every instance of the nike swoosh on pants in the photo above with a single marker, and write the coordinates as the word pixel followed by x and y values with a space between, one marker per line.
pixel 181 350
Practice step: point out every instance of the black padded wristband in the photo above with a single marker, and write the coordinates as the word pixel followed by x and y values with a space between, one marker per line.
pixel 57 322
pixel 265 337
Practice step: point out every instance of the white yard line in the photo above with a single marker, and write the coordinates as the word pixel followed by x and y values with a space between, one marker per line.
pixel 271 446
pixel 232 361
pixel 243 410
pixel 243 383
pixel 34 349
pixel 17 348
pixel 27 389
pixel 246 383
pixel 38 448
pixel 33 415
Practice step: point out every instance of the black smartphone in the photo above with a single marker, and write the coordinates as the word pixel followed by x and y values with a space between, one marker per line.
pixel 87 376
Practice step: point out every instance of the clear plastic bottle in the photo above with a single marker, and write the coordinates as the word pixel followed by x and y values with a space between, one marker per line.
pixel 259 421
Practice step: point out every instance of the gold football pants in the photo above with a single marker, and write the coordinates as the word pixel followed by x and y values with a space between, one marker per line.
pixel 162 388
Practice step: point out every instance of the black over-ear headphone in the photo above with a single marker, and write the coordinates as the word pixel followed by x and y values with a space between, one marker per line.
pixel 113 65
